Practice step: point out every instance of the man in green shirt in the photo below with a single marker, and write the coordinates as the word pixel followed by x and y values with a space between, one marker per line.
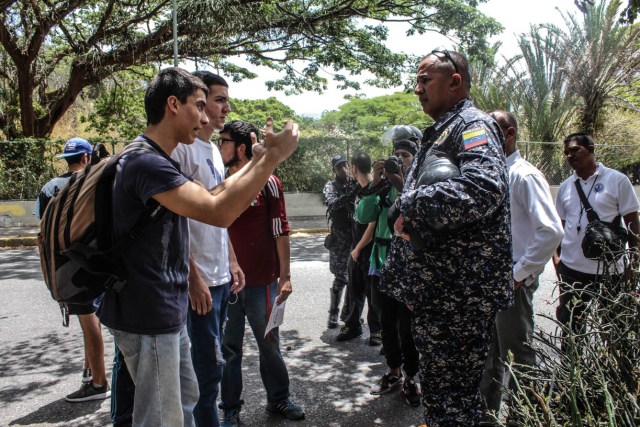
pixel 395 317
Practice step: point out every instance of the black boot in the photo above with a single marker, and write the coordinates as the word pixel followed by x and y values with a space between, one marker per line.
pixel 346 307
pixel 334 308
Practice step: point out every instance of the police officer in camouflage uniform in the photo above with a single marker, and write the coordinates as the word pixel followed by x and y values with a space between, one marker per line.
pixel 339 197
pixel 451 262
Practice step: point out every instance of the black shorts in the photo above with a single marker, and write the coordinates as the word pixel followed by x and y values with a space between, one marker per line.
pixel 90 308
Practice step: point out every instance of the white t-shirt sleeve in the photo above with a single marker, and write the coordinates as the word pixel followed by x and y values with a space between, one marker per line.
pixel 627 200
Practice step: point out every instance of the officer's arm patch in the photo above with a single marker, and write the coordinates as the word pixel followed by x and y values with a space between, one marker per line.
pixel 474 138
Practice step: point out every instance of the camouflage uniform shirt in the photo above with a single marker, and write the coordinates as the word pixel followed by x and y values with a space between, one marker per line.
pixel 460 278
pixel 474 261
pixel 340 201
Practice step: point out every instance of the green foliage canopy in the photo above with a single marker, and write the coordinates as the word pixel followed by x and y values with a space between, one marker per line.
pixel 119 103
pixel 366 119
pixel 600 56
pixel 51 51
pixel 256 111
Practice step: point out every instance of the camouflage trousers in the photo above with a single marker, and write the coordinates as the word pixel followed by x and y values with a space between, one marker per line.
pixel 453 340
pixel 339 258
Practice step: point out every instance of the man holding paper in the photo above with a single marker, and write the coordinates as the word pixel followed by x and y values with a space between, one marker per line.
pixel 260 238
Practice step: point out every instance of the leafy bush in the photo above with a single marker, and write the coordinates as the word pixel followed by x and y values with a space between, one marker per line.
pixel 309 168
pixel 590 378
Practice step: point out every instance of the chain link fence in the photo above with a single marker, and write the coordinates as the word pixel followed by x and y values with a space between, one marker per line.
pixel 26 165
pixel 548 157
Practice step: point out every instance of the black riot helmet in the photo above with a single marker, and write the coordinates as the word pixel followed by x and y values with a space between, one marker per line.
pixel 398 133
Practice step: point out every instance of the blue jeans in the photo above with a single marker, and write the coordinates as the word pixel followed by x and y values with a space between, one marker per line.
pixel 255 303
pixel 122 391
pixel 161 368
pixel 205 332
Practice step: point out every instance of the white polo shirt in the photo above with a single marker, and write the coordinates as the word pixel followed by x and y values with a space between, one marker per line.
pixel 208 245
pixel 610 194
pixel 535 225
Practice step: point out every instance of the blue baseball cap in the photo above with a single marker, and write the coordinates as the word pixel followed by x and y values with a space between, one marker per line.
pixel 76 146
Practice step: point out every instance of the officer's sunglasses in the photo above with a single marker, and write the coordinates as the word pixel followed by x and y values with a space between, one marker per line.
pixel 447 55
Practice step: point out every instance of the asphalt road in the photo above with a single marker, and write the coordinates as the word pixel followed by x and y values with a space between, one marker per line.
pixel 41 361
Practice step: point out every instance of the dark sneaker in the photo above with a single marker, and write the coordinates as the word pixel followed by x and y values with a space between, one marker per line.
pixel 86 375
pixel 89 391
pixel 375 339
pixel 385 384
pixel 230 418
pixel 347 333
pixel 286 408
pixel 411 392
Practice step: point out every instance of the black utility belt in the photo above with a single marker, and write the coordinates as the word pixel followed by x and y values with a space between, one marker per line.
pixel 381 241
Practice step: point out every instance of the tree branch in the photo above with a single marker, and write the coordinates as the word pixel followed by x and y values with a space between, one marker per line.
pixel 45 25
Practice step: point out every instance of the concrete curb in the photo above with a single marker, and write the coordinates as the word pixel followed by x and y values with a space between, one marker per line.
pixel 31 241
pixel 301 232
pixel 13 242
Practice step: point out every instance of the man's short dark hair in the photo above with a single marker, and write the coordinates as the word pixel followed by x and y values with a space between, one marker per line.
pixel 362 162
pixel 72 160
pixel 581 138
pixel 210 79
pixel 510 119
pixel 172 81
pixel 240 132
pixel 460 63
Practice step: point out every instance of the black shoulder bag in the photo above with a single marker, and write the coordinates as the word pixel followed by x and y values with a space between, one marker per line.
pixel 602 240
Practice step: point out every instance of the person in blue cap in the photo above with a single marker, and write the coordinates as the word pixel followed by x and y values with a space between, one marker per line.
pixel 77 153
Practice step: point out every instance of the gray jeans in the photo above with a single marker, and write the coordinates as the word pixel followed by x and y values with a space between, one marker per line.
pixel 512 332
pixel 161 368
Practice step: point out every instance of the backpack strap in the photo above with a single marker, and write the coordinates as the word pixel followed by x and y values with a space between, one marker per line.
pixel 97 260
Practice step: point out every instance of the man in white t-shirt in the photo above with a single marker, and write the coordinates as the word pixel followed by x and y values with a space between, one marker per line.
pixel 214 272
pixel 537 232
pixel 610 194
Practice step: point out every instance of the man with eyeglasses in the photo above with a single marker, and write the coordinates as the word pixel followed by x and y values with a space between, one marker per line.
pixel 260 237
pixel 148 317
pixel 451 261
pixel 537 232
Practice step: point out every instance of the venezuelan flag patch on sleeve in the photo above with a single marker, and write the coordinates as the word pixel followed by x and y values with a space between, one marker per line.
pixel 474 138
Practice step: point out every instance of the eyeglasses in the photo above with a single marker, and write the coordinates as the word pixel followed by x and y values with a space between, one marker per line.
pixel 448 56
pixel 222 141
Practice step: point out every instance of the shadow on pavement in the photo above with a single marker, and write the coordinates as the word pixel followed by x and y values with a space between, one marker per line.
pixel 48 361
pixel 331 382
pixel 309 249
pixel 66 413
pixel 56 354
pixel 18 264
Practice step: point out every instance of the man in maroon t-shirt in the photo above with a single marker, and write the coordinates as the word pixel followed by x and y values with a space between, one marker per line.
pixel 260 238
